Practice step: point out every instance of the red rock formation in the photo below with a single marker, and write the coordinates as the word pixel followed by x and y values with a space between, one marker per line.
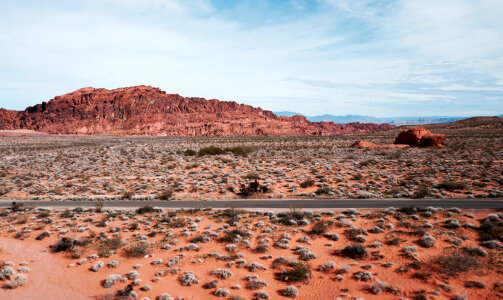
pixel 7 118
pixel 432 140
pixel 145 110
pixel 420 136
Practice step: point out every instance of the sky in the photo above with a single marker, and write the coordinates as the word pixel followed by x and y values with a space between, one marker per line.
pixel 381 58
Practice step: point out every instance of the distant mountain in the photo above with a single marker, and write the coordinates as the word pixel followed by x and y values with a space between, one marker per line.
pixel 286 113
pixel 370 119
pixel 346 119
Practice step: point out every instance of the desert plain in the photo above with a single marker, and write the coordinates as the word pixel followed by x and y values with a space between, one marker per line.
pixel 153 253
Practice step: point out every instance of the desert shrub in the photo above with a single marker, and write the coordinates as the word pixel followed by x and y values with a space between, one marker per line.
pixel 319 228
pixel 378 287
pixel 292 214
pixel 200 239
pixel 210 285
pixel 18 280
pixel 451 186
pixel 262 248
pixel 211 150
pixel 97 266
pixel 189 152
pixel 233 215
pixel 421 192
pixel 145 209
pixel 43 235
pixel 261 295
pixel 353 251
pixel 299 272
pixel 475 284
pixel 329 265
pixel 107 247
pixel 63 244
pixel 111 280
pixel 137 249
pixel 252 188
pixel 410 210
pixel 424 276
pixel 127 195
pixel 427 241
pixel 323 191
pixel 474 251
pixel 16 206
pixel 133 226
pixel 188 279
pixel 99 205
pixel 234 235
pixel 43 214
pixel 290 291
pixel 256 284
pixel 363 275
pixel 454 263
pixel 166 194
pixel 307 183
pixel 491 244
pixel 240 150
pixel 490 230
pixel 221 292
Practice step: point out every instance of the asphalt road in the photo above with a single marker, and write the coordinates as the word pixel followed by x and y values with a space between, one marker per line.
pixel 284 203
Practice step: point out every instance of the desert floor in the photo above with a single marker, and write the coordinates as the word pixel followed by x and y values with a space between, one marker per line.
pixel 407 253
pixel 145 168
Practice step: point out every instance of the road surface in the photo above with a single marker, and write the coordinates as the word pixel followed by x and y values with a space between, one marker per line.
pixel 286 203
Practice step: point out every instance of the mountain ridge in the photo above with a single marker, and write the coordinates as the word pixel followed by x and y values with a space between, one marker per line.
pixel 398 121
pixel 147 110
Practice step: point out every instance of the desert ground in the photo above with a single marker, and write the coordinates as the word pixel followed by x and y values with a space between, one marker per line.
pixel 147 168
pixel 406 253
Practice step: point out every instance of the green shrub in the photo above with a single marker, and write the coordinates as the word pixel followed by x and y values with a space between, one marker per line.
pixel 240 150
pixel 211 150
pixel 189 152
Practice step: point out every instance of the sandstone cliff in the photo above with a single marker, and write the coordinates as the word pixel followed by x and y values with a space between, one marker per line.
pixel 145 110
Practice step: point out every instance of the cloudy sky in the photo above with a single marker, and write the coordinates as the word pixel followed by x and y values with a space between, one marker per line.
pixel 381 58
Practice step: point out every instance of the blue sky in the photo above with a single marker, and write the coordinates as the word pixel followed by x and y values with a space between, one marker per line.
pixel 381 58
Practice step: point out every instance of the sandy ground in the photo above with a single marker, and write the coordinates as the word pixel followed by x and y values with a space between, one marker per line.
pixel 52 277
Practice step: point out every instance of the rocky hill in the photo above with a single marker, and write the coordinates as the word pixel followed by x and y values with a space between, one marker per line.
pixel 145 110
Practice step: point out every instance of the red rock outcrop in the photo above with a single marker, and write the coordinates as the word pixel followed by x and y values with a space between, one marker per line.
pixel 420 136
pixel 145 110
pixel 7 118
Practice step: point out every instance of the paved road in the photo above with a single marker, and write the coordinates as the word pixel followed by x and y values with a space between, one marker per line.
pixel 284 203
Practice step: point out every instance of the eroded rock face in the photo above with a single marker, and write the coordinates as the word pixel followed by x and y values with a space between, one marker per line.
pixel 145 110
pixel 420 136
pixel 7 118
